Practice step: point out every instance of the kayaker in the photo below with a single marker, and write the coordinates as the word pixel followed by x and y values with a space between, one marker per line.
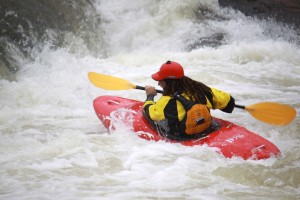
pixel 175 115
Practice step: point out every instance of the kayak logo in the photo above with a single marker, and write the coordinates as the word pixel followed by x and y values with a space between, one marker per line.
pixel 235 137
pixel 145 135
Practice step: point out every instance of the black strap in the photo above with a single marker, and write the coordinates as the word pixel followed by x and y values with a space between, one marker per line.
pixel 186 103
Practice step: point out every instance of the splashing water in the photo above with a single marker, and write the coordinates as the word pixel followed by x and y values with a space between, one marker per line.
pixel 53 145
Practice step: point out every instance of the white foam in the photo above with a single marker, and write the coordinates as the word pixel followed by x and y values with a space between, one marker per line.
pixel 54 146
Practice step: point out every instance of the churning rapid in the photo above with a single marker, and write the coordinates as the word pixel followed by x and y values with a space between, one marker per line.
pixel 54 146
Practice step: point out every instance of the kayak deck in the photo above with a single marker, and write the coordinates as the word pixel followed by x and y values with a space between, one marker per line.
pixel 232 140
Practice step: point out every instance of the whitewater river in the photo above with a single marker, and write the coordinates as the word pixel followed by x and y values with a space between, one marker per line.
pixel 53 146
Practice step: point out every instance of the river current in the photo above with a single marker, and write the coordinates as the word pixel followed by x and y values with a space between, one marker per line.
pixel 54 147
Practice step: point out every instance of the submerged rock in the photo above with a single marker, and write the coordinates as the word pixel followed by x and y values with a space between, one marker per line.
pixel 285 11
pixel 28 26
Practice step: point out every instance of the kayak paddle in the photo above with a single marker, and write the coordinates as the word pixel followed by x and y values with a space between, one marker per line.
pixel 112 83
pixel 272 113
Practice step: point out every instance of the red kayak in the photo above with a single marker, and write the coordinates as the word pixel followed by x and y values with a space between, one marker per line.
pixel 231 140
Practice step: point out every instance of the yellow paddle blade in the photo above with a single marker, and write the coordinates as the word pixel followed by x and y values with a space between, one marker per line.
pixel 272 113
pixel 109 82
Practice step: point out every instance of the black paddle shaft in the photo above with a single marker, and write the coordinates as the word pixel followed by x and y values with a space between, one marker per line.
pixel 143 88
pixel 239 106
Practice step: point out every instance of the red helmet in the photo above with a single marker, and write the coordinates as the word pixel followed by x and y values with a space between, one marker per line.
pixel 169 70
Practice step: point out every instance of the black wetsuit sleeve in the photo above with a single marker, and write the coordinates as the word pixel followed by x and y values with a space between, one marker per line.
pixel 230 106
pixel 150 97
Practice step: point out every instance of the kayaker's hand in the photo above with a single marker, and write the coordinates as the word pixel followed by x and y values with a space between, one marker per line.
pixel 150 90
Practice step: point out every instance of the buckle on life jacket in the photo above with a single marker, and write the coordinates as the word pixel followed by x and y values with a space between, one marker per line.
pixel 200 121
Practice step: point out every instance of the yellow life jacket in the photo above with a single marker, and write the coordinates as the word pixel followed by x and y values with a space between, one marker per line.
pixel 169 116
